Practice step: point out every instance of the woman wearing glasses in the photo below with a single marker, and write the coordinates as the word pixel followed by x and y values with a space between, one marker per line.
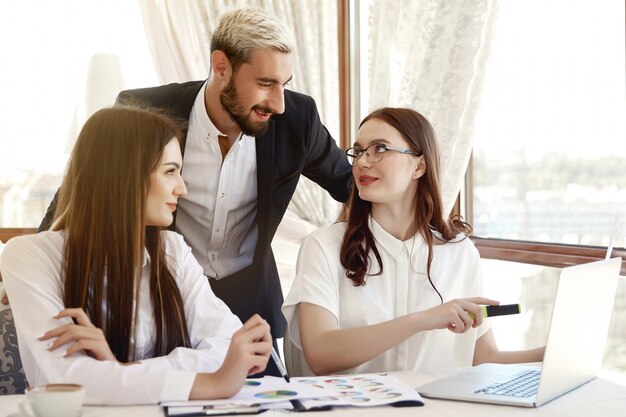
pixel 387 290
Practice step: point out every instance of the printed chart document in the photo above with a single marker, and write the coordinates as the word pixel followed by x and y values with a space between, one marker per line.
pixel 304 394
pixel 364 390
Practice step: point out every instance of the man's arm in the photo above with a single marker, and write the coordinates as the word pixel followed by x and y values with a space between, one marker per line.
pixel 326 164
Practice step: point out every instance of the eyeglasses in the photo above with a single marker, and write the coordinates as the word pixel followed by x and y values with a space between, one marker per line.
pixel 375 152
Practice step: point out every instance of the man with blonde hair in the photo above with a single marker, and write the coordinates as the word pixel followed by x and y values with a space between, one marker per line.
pixel 247 143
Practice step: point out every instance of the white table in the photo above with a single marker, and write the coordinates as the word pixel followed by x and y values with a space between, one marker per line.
pixel 603 397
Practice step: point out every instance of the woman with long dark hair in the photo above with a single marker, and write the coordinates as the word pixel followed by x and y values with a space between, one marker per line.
pixel 387 290
pixel 110 300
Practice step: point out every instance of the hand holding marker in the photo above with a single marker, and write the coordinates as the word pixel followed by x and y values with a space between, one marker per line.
pixel 499 310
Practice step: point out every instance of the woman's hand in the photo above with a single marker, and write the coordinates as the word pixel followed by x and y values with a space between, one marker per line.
pixel 458 315
pixel 83 333
pixel 247 354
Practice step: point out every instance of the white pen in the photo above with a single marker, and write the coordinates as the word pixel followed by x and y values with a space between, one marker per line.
pixel 279 364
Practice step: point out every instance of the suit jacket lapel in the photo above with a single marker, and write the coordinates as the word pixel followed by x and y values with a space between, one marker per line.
pixel 265 173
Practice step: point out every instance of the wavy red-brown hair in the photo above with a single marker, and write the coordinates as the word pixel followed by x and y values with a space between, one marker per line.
pixel 358 242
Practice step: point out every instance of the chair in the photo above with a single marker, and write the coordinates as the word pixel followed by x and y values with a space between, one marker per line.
pixel 295 362
pixel 12 377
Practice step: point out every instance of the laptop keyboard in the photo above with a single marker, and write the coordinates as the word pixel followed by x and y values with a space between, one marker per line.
pixel 521 385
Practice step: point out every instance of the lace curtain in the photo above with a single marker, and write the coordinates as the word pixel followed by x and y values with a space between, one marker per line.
pixel 430 55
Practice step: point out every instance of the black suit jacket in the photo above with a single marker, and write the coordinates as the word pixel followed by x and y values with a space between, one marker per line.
pixel 295 144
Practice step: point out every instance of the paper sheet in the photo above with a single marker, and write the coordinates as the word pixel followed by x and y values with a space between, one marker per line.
pixel 364 390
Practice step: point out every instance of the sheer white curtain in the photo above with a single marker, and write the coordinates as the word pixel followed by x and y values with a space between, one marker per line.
pixel 430 55
pixel 179 34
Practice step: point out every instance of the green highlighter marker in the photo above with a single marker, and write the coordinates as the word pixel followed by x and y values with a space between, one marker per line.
pixel 499 310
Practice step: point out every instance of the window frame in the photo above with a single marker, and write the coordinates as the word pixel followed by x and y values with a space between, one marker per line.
pixel 7 233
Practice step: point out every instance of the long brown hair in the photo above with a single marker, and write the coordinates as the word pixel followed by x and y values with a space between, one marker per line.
pixel 358 240
pixel 101 208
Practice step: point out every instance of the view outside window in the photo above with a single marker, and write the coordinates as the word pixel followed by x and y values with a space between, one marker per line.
pixel 550 138
pixel 549 159
pixel 51 51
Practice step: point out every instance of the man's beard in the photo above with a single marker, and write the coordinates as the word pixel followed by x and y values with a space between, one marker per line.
pixel 230 101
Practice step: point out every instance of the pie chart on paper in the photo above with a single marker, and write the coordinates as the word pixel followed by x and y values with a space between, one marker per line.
pixel 276 394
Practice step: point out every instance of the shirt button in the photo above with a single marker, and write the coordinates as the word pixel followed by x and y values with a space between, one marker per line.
pixel 213 256
pixel 217 229
pixel 222 195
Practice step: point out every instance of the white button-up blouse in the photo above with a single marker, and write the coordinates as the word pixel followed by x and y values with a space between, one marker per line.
pixel 31 269
pixel 403 288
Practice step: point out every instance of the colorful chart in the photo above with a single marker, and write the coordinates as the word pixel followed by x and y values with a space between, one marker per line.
pixel 359 390
pixel 369 382
pixel 385 392
pixel 360 399
pixel 350 393
pixel 309 381
pixel 312 382
pixel 336 381
pixel 326 399
pixel 276 394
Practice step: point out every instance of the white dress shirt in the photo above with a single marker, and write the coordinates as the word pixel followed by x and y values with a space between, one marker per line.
pixel 217 217
pixel 400 290
pixel 31 268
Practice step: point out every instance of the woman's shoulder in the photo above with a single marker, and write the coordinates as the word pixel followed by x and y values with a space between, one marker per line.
pixel 460 244
pixel 34 252
pixel 39 241
pixel 328 236
pixel 174 244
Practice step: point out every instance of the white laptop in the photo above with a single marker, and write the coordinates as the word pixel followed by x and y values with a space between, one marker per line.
pixel 574 350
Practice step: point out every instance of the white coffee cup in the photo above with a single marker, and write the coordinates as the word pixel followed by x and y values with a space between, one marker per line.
pixel 53 400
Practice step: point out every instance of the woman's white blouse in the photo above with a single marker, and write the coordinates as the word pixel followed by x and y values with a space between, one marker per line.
pixel 31 269
pixel 403 288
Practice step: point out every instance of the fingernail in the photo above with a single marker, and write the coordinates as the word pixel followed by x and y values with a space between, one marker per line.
pixel 49 345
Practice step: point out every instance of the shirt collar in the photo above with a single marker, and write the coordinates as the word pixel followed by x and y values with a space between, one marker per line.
pixel 204 123
pixel 389 243
pixel 201 117
pixel 146 257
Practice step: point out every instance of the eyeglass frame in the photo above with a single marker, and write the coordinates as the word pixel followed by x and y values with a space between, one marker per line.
pixel 354 158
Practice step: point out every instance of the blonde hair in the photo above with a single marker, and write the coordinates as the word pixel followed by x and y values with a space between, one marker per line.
pixel 240 31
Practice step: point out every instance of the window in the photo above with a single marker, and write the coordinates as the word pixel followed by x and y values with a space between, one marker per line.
pixel 547 185
pixel 549 159
pixel 51 51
